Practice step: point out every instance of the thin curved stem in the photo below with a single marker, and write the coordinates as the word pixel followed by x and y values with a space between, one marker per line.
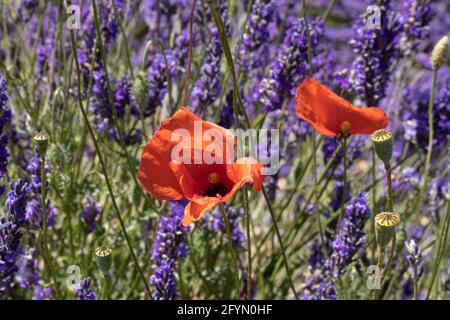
pixel 48 258
pixel 249 247
pixel 102 164
pixel 430 138
pixel 280 240
pixel 440 249
pixel 380 259
pixel 188 71
pixel 232 252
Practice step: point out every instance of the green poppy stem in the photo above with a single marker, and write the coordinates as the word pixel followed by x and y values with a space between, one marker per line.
pixel 47 255
pixel 344 177
pixel 430 139
pixel 105 287
pixel 249 246
pixel 103 165
pixel 232 252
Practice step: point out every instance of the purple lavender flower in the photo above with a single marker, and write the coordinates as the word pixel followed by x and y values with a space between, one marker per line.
pixel 41 293
pixel 416 20
pixel 337 196
pixel 207 88
pixel 234 216
pixel 376 52
pixel 164 282
pixel 320 284
pixel 84 291
pixel 438 196
pixel 350 239
pixel 291 65
pixel 5 119
pixel 91 210
pixel 405 180
pixel 100 106
pixel 415 117
pixel 226 115
pixel 157 79
pixel 257 33
pixel 10 234
pixel 414 258
pixel 28 271
pixel 170 242
pixel 34 211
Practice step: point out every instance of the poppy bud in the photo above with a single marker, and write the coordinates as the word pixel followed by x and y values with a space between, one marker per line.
pixel 140 88
pixel 385 223
pixel 104 258
pixel 41 140
pixel 440 53
pixel 58 98
pixel 383 143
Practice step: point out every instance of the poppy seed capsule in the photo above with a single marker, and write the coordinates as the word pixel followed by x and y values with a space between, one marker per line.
pixel 140 88
pixel 213 178
pixel 440 53
pixel 104 258
pixel 345 127
pixel 385 223
pixel 41 140
pixel 383 143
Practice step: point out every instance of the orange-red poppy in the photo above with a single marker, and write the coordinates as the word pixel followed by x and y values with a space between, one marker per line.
pixel 204 185
pixel 329 113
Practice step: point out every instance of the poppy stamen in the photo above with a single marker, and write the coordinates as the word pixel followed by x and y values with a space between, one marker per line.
pixel 215 187
pixel 213 178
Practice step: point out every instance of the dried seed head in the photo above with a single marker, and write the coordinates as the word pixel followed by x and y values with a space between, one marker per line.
pixel 385 223
pixel 41 140
pixel 383 142
pixel 104 258
pixel 440 53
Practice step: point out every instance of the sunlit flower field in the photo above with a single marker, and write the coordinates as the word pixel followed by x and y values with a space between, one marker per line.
pixel 222 149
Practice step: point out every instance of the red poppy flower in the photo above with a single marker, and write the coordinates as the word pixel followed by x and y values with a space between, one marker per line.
pixel 204 183
pixel 328 113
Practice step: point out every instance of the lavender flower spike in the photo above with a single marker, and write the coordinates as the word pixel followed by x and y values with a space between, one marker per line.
pixel 10 234
pixel 164 281
pixel 291 64
pixel 5 119
pixel 83 290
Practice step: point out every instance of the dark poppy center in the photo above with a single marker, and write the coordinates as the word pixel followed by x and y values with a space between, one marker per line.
pixel 215 186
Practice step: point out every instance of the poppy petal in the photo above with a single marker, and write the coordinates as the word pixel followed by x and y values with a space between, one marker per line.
pixel 326 111
pixel 248 170
pixel 155 174
pixel 194 211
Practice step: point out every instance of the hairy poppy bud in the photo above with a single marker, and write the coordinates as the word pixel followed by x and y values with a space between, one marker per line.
pixel 58 98
pixel 140 88
pixel 104 258
pixel 385 223
pixel 41 140
pixel 383 143
pixel 440 53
